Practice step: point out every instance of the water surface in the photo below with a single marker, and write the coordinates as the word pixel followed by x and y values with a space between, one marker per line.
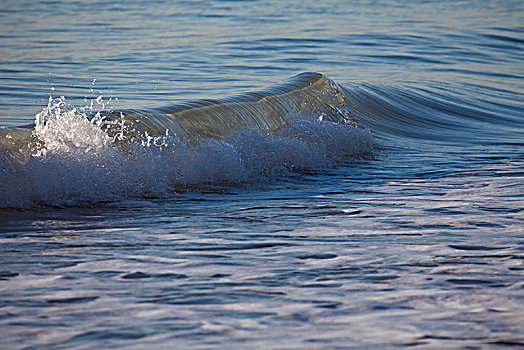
pixel 381 207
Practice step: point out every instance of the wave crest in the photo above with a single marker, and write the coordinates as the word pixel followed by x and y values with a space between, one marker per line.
pixel 74 158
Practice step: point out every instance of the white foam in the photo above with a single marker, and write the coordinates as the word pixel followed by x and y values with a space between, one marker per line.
pixel 76 162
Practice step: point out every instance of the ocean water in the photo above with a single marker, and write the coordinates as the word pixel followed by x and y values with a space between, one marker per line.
pixel 261 174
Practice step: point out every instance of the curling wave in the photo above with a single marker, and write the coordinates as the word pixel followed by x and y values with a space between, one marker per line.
pixel 72 157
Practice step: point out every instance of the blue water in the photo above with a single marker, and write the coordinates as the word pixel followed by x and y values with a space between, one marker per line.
pixel 374 202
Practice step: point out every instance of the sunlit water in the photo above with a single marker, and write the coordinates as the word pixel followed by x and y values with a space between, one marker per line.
pixel 380 205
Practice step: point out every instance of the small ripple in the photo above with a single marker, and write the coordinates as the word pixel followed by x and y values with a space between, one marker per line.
pixel 316 256
pixel 474 247
pixel 464 281
pixel 508 342
pixel 7 275
pixel 73 300
pixel 97 336
pixel 139 275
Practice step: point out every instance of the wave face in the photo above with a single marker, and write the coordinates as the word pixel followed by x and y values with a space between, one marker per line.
pixel 265 111
pixel 432 116
pixel 74 157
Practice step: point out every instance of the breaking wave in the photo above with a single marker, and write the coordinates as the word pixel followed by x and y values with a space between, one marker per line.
pixel 73 156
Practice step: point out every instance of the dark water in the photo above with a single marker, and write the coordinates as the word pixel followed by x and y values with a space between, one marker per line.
pixel 374 204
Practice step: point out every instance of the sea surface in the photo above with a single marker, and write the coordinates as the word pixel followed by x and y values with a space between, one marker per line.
pixel 261 174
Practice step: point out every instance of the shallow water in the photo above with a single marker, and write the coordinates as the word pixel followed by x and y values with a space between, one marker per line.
pixel 312 233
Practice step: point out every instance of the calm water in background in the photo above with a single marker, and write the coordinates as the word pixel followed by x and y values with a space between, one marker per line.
pixel 420 244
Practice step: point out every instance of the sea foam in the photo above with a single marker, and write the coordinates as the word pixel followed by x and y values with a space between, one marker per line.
pixel 74 161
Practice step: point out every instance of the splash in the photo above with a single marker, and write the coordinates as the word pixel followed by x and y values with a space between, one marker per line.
pixel 76 157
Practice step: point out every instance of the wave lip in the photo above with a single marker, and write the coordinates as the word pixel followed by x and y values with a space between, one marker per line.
pixel 72 158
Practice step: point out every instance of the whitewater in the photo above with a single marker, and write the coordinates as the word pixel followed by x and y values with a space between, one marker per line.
pixel 70 158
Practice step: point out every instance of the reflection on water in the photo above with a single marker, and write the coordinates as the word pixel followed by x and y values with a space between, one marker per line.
pixel 358 260
pixel 155 55
pixel 418 243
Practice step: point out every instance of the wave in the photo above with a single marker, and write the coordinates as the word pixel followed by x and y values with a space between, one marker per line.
pixel 76 155
pixel 434 114
pixel 266 110
pixel 73 156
